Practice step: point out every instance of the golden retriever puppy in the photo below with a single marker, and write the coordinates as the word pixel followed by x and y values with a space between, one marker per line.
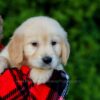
pixel 39 42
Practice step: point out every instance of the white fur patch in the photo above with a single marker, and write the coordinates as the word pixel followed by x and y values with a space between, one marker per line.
pixel 29 50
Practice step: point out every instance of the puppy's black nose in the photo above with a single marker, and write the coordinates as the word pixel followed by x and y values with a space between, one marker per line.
pixel 47 59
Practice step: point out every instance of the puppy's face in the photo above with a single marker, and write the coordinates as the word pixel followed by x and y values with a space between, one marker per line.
pixel 40 42
pixel 43 50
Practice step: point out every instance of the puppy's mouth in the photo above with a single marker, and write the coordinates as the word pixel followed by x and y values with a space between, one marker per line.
pixel 41 65
pixel 44 66
pixel 47 66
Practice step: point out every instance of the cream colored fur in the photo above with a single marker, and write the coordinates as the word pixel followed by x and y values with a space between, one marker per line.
pixel 21 49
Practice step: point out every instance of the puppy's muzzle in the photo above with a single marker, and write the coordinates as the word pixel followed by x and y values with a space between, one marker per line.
pixel 47 59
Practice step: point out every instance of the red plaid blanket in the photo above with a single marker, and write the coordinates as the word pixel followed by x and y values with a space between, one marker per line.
pixel 16 85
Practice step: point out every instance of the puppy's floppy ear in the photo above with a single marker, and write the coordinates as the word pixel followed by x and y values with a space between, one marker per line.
pixel 15 49
pixel 65 51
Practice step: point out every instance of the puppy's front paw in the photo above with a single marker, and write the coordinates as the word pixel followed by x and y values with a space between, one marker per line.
pixel 40 77
pixel 1 69
pixel 3 64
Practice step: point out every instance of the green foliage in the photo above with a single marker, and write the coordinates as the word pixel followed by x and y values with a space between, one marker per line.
pixel 81 19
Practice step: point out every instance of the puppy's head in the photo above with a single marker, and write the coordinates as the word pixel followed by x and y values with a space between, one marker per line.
pixel 39 42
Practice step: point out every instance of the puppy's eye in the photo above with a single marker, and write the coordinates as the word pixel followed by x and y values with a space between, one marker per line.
pixel 35 44
pixel 53 43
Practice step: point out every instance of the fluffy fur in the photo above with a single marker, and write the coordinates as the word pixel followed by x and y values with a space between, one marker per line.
pixel 34 39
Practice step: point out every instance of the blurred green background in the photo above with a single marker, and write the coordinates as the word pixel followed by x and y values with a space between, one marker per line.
pixel 81 19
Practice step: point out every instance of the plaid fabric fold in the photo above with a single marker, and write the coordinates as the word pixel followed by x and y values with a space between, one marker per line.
pixel 16 85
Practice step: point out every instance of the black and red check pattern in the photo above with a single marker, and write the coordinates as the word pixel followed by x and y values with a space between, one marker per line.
pixel 16 85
